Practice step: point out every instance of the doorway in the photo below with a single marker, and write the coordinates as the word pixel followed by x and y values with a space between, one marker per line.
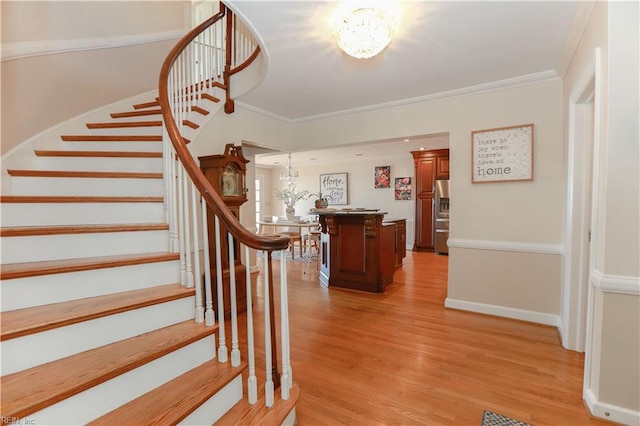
pixel 581 197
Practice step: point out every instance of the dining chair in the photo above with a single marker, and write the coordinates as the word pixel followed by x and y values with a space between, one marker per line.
pixel 295 235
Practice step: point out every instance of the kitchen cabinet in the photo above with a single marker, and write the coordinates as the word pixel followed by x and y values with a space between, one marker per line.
pixel 400 243
pixel 429 167
pixel 359 250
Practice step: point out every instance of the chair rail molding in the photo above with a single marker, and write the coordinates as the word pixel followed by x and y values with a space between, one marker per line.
pixel 512 246
pixel 616 283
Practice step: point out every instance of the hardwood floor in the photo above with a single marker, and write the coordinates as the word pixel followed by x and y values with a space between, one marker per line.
pixel 401 358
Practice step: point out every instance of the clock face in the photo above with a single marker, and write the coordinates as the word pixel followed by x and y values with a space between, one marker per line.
pixel 230 181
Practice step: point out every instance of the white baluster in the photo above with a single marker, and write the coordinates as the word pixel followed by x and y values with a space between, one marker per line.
pixel 209 314
pixel 187 229
pixel 285 382
pixel 235 349
pixel 252 381
pixel 222 344
pixel 166 152
pixel 268 386
pixel 199 313
pixel 181 230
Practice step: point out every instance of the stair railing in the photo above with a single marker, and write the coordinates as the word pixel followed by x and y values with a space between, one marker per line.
pixel 203 60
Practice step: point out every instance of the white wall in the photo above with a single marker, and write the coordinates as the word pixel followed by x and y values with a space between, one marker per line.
pixel 55 67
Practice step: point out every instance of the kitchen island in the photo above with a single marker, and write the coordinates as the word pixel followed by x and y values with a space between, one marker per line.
pixel 359 249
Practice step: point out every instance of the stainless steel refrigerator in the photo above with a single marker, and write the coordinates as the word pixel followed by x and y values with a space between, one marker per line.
pixel 442 217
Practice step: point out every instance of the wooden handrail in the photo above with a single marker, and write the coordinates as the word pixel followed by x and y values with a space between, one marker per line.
pixel 210 196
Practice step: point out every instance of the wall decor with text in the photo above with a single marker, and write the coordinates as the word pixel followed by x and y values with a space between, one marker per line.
pixel 382 177
pixel 334 188
pixel 502 154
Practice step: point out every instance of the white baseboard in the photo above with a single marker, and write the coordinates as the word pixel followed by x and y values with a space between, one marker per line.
pixel 610 412
pixel 502 311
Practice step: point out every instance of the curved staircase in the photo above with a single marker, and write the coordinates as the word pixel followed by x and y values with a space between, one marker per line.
pixel 96 326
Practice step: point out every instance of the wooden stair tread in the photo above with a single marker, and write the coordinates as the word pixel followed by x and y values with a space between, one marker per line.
pixel 22 322
pixel 31 390
pixel 48 267
pixel 76 199
pixel 138 113
pixel 244 413
pixel 210 97
pixel 22 231
pixel 175 400
pixel 73 153
pixel 112 138
pixel 199 110
pixel 83 174
pixel 146 105
pixel 125 124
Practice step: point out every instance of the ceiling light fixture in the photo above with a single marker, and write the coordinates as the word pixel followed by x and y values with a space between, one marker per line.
pixel 288 174
pixel 364 32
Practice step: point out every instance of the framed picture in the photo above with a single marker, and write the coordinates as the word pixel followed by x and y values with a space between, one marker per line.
pixel 402 188
pixel 333 186
pixel 382 177
pixel 502 154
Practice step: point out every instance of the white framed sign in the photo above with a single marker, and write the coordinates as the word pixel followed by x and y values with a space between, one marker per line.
pixel 502 154
pixel 334 187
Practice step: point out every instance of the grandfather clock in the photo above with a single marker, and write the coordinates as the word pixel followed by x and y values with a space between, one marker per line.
pixel 227 173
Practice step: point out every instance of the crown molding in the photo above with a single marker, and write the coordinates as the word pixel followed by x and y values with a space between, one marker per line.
pixel 11 51
pixel 434 97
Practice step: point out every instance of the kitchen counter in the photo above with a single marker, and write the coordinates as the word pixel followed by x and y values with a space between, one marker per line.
pixel 359 249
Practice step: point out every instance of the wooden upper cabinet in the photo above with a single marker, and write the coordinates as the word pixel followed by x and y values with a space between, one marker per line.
pixel 442 168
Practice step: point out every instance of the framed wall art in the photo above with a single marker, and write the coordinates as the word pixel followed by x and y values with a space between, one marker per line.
pixel 502 154
pixel 402 188
pixel 333 186
pixel 382 177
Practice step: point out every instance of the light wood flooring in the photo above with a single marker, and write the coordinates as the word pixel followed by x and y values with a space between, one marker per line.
pixel 401 358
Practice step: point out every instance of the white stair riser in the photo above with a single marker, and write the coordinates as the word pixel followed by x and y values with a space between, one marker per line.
pixel 114 146
pixel 109 395
pixel 29 351
pixel 86 186
pixel 42 214
pixel 40 290
pixel 101 164
pixel 70 246
pixel 214 408
pixel 148 117
pixel 146 131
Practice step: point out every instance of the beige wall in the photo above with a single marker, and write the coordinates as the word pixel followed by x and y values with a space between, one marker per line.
pixel 62 80
pixel 620 351
pixel 494 211
pixel 31 21
pixel 521 281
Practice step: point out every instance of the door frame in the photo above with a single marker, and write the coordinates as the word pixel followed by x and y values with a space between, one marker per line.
pixel 580 234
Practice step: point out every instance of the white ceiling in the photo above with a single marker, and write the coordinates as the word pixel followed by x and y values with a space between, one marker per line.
pixel 441 47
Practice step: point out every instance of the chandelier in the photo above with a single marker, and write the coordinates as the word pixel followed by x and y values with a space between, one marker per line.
pixel 363 32
pixel 288 174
